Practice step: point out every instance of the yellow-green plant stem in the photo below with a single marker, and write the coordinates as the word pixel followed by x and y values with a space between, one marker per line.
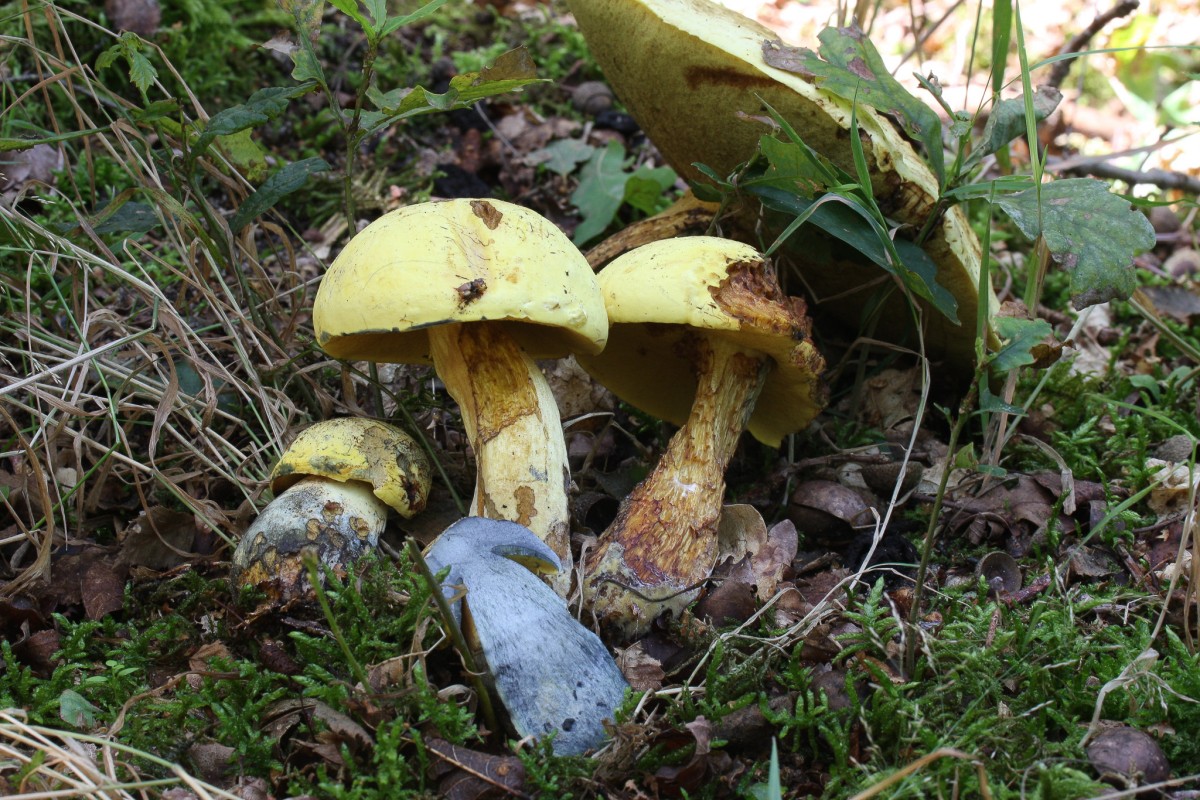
pixel 460 642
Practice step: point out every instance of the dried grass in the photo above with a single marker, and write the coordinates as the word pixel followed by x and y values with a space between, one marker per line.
pixel 162 367
pixel 38 763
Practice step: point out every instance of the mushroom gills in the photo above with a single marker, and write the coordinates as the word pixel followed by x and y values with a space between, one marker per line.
pixel 553 675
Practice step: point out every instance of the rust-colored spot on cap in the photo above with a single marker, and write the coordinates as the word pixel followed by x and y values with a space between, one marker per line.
pixel 487 212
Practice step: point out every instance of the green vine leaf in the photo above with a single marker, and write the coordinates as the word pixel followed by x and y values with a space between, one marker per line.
pixel 1089 230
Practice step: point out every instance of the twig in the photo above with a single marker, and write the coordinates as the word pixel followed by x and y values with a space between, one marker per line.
pixel 1153 177
pixel 1058 73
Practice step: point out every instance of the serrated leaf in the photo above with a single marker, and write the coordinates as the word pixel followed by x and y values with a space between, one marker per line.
pixel 600 192
pixel 1020 336
pixel 1088 230
pixel 141 71
pixel 1007 120
pixel 563 156
pixel 108 57
pixel 852 69
pixel 282 183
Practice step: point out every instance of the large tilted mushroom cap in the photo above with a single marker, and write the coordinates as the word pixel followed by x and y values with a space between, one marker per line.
pixel 693 75
pixel 333 486
pixel 659 294
pixel 457 261
pixel 552 674
pixel 358 449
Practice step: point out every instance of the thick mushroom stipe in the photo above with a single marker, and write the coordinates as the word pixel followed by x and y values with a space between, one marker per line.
pixel 663 543
pixel 553 675
pixel 512 421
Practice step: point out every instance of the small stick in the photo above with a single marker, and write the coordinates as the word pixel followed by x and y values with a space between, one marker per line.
pixel 1058 73
pixel 1153 177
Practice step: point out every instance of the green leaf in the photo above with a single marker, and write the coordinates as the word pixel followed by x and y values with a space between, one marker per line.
pixel 600 192
pixel 647 186
pixel 246 154
pixel 1090 231
pixel 510 71
pixel 127 217
pixel 1002 25
pixel 350 8
pixel 279 185
pixel 563 156
pixel 1019 337
pixel 307 67
pixel 993 404
pixel 378 11
pixel 76 710
pixel 1007 120
pixel 141 72
pixel 852 69
pixel 407 19
pixel 262 106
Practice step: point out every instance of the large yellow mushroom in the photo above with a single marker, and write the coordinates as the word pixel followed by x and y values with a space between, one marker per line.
pixel 701 336
pixel 478 288
pixel 693 74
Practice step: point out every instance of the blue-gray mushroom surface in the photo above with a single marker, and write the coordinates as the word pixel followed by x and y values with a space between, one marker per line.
pixel 553 675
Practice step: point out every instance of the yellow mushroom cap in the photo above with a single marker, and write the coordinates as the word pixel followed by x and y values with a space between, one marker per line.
pixel 659 294
pixel 357 449
pixel 458 261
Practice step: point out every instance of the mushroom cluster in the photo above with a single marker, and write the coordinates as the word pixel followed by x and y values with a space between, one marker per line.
pixel 701 335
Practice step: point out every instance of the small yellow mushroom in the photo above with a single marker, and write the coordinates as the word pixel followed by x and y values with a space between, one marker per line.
pixel 334 485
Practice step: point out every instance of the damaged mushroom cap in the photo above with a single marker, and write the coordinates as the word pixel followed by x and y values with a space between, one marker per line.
pixel 552 674
pixel 659 294
pixel 333 487
pixel 358 449
pixel 478 288
pixel 711 82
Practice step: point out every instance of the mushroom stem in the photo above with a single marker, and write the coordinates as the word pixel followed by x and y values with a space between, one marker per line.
pixel 512 422
pixel 663 541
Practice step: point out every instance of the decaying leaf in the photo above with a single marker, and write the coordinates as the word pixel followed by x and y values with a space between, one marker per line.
pixel 465 774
